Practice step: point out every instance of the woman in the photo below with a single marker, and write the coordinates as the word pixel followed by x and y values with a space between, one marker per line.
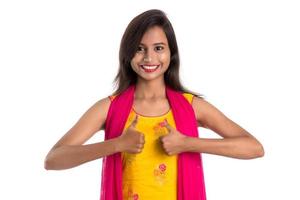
pixel 151 149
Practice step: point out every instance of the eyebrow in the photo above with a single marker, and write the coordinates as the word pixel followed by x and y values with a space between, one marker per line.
pixel 159 43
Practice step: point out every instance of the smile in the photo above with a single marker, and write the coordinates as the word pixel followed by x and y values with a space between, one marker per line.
pixel 149 68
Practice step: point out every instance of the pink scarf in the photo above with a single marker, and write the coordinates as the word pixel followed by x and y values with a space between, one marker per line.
pixel 190 185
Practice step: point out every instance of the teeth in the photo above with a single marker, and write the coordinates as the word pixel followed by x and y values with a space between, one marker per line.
pixel 149 67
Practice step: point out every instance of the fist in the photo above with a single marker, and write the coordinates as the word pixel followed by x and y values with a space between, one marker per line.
pixel 131 140
pixel 174 142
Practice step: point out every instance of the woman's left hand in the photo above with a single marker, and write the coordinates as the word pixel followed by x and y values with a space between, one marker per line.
pixel 174 142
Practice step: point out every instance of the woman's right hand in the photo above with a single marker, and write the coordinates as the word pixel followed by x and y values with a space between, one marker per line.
pixel 131 140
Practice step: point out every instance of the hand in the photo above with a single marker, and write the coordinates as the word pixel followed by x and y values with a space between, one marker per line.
pixel 131 140
pixel 174 142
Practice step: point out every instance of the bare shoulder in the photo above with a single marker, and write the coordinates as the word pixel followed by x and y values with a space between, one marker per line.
pixel 200 106
pixel 208 116
pixel 96 114
pixel 206 113
pixel 92 121
pixel 102 106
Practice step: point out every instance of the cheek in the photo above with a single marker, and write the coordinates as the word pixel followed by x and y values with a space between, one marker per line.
pixel 165 57
pixel 135 60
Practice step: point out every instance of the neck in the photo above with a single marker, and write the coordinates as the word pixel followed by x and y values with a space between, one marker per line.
pixel 150 89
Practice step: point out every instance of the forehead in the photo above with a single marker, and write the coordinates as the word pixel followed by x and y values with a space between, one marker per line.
pixel 154 35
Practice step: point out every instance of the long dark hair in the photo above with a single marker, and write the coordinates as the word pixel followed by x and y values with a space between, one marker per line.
pixel 129 45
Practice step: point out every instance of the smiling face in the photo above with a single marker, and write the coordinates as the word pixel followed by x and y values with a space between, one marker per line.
pixel 152 58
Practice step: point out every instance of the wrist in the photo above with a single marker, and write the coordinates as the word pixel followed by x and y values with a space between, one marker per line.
pixel 117 145
pixel 187 143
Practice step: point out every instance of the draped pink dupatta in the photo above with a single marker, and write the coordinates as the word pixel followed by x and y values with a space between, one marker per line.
pixel 190 185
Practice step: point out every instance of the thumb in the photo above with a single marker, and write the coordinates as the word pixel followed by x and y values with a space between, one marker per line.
pixel 167 125
pixel 134 122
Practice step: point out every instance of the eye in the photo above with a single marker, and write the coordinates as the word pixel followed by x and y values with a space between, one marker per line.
pixel 159 48
pixel 140 49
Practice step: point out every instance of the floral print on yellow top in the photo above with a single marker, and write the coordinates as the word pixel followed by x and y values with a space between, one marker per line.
pixel 151 174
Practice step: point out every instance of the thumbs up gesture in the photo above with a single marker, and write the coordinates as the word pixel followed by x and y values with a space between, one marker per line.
pixel 131 140
pixel 174 142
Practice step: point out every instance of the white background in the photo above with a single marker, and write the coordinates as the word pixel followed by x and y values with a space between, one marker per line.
pixel 58 58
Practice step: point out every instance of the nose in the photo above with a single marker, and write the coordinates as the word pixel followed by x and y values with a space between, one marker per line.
pixel 148 56
pixel 147 59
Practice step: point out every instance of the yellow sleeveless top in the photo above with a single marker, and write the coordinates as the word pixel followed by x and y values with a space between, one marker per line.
pixel 151 174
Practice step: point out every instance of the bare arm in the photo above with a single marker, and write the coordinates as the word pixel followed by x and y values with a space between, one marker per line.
pixel 239 147
pixel 68 156
pixel 236 142
pixel 69 152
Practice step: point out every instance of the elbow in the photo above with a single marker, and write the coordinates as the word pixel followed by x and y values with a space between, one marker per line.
pixel 50 161
pixel 46 164
pixel 258 150
pixel 253 150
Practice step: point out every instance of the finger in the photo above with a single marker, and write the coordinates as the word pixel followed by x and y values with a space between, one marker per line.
pixel 167 125
pixel 135 121
pixel 138 150
pixel 161 139
pixel 142 138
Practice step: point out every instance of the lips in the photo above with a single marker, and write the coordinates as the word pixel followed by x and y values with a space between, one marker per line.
pixel 149 68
